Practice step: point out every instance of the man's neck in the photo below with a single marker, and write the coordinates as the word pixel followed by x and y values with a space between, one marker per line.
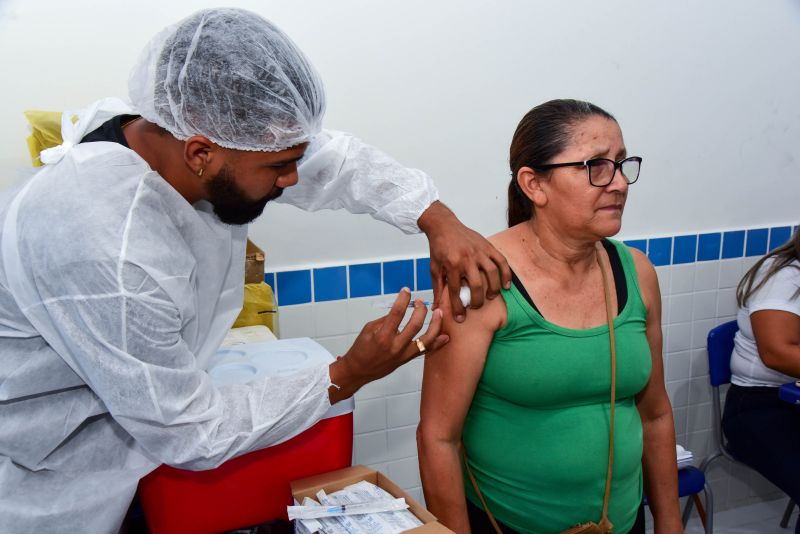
pixel 164 154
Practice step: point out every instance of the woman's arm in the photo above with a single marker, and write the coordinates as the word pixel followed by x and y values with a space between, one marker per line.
pixel 775 318
pixel 777 335
pixel 448 385
pixel 659 458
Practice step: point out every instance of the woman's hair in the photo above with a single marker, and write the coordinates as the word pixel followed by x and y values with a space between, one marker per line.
pixel 543 132
pixel 783 257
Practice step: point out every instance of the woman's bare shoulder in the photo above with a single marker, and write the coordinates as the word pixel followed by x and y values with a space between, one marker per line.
pixel 642 262
pixel 506 241
pixel 646 273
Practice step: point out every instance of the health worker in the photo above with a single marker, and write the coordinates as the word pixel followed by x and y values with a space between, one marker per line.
pixel 122 270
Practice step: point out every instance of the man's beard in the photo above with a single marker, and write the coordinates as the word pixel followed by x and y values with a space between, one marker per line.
pixel 231 205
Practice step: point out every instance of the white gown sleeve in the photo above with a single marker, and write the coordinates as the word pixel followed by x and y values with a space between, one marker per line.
pixel 125 343
pixel 341 171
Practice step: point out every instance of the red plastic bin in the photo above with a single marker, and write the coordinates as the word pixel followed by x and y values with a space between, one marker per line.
pixel 244 491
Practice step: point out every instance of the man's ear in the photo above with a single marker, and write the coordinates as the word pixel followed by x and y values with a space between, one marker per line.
pixel 200 155
pixel 530 182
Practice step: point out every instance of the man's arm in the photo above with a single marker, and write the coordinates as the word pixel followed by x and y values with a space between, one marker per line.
pixel 127 347
pixel 340 171
pixel 382 346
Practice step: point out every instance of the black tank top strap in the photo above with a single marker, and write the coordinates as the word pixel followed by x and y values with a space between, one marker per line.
pixel 619 274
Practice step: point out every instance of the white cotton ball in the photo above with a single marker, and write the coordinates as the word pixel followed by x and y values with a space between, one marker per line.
pixel 465 296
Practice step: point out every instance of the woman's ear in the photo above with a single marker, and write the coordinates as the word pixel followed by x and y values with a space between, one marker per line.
pixel 530 183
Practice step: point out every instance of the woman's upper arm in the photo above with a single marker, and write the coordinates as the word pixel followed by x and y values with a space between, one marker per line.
pixel 775 318
pixel 452 372
pixel 777 335
pixel 648 284
pixel 652 401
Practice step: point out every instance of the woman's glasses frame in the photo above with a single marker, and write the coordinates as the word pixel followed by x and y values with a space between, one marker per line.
pixel 599 163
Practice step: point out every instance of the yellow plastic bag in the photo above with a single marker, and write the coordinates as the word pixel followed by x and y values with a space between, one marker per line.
pixel 45 132
pixel 259 308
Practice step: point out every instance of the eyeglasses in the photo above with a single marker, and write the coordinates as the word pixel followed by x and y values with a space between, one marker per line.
pixel 601 171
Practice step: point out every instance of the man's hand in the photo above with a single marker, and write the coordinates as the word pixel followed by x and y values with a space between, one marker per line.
pixel 382 347
pixel 460 256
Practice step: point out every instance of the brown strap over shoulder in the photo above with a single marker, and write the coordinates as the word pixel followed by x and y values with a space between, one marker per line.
pixel 605 524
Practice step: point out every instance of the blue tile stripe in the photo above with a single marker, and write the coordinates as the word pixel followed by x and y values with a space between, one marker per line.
pixel 330 283
pixel 423 267
pixel 685 250
pixel 294 287
pixel 709 246
pixel 379 278
pixel 397 275
pixel 365 280
pixel 779 236
pixel 733 244
pixel 660 250
pixel 757 242
pixel 640 244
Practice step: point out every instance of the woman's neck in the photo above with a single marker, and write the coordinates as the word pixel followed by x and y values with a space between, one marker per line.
pixel 551 251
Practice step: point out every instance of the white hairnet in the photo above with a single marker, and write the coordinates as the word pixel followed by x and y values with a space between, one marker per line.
pixel 232 76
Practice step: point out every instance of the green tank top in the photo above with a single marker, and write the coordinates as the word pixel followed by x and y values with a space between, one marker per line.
pixel 536 434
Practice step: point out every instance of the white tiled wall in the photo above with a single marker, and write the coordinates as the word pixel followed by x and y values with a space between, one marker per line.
pixel 696 297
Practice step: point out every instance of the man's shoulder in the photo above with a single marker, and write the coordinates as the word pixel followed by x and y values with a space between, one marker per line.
pixel 104 154
pixel 94 201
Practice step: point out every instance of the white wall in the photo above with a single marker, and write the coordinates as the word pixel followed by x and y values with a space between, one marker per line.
pixel 705 91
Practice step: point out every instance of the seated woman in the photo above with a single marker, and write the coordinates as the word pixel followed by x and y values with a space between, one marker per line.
pixel 525 381
pixel 762 430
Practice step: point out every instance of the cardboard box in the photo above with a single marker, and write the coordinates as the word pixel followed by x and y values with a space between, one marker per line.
pixel 253 264
pixel 336 480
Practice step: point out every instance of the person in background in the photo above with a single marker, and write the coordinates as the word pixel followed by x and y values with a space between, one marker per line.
pixel 762 430
pixel 525 381
pixel 121 270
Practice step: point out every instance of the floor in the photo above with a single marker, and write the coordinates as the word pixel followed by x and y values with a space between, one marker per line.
pixel 761 518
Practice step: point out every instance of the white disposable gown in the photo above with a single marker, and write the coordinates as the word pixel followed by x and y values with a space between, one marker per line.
pixel 114 293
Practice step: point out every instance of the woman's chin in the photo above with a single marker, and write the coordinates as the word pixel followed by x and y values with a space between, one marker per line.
pixel 609 229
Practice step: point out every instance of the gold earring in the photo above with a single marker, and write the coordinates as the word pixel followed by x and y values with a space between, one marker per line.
pixel 200 172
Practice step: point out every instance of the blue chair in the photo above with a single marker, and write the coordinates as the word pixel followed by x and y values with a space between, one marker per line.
pixel 720 348
pixel 691 481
